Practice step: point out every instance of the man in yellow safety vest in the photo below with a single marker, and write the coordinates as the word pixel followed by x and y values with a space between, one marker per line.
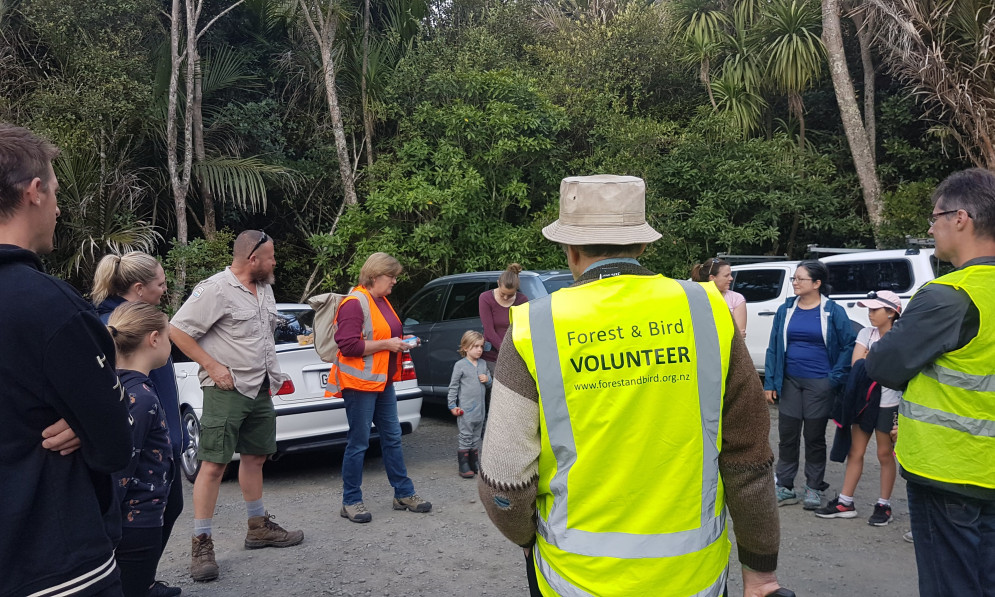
pixel 942 351
pixel 626 420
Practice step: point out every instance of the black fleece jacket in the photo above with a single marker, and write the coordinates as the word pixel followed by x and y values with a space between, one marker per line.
pixel 56 361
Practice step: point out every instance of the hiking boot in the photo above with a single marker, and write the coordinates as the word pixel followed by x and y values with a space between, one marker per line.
pixel 356 512
pixel 813 498
pixel 463 457
pixel 786 496
pixel 263 532
pixel 837 509
pixel 203 566
pixel 413 503
pixel 881 516
pixel 908 537
pixel 161 589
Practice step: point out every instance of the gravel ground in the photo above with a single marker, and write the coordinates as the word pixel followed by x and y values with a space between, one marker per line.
pixel 454 550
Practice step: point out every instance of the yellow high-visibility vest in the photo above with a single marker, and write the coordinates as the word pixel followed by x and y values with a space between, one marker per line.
pixel 946 421
pixel 631 375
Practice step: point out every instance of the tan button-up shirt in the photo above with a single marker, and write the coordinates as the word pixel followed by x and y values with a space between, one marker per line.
pixel 235 327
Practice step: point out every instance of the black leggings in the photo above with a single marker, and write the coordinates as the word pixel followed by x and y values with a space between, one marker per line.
pixel 174 504
pixel 138 558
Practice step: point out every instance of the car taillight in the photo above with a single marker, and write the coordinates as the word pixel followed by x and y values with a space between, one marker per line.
pixel 286 388
pixel 407 367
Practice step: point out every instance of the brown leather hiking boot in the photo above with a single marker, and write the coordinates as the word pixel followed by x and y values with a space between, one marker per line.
pixel 202 563
pixel 263 532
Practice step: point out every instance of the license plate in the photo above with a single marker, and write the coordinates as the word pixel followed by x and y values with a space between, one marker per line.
pixel 324 379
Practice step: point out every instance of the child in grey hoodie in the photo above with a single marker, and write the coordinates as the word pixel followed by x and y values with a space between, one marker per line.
pixel 466 401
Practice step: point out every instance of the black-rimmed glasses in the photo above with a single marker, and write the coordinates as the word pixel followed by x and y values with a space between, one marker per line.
pixel 934 217
pixel 262 239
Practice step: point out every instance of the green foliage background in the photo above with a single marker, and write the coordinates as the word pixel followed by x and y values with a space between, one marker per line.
pixel 480 111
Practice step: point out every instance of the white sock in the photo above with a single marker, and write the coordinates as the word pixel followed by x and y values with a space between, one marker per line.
pixel 846 500
pixel 884 502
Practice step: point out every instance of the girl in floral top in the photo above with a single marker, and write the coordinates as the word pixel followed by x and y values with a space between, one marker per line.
pixel 141 336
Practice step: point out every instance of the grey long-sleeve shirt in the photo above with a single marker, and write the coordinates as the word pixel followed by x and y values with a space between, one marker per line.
pixel 466 386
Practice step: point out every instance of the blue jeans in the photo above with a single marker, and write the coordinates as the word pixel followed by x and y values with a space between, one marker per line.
pixel 954 540
pixel 379 408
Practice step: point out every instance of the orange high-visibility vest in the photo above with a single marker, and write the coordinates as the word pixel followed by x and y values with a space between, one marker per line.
pixel 367 373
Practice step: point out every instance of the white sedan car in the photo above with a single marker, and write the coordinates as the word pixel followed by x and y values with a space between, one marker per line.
pixel 305 419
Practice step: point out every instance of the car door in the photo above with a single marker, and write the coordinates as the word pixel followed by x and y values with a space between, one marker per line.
pixel 419 317
pixel 764 286
pixel 460 313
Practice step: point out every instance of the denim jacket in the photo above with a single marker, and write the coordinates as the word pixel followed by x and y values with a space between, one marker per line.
pixel 837 332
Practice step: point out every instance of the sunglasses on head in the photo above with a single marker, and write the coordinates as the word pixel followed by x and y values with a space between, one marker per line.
pixel 873 295
pixel 262 238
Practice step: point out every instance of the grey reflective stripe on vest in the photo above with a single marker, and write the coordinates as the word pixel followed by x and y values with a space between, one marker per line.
pixel 366 373
pixel 553 402
pixel 925 414
pixel 957 379
pixel 564 588
pixel 709 364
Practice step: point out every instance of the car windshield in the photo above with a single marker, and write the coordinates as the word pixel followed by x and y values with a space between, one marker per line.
pixel 293 323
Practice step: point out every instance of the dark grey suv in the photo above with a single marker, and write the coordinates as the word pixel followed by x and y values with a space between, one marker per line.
pixel 446 307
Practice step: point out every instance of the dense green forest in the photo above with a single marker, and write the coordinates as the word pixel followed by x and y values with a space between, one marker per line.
pixel 439 131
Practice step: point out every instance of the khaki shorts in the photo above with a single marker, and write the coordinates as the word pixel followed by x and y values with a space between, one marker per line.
pixel 232 422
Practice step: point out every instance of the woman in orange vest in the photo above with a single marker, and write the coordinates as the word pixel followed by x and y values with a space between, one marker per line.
pixel 368 335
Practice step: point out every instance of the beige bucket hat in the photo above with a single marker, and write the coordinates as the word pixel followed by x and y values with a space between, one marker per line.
pixel 602 210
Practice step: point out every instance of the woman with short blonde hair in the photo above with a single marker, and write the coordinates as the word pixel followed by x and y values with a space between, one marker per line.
pixel 369 334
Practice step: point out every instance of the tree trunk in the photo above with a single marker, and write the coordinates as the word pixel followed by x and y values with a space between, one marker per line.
pixel 853 126
pixel 367 115
pixel 209 227
pixel 325 37
pixel 865 36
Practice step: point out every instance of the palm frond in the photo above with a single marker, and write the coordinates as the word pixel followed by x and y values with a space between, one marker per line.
pixel 241 181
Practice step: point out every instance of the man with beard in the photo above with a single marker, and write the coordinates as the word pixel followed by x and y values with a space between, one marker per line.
pixel 227 327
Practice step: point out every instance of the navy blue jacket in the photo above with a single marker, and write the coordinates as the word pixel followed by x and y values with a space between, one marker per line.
pixel 164 380
pixel 837 333
pixel 144 484
pixel 61 522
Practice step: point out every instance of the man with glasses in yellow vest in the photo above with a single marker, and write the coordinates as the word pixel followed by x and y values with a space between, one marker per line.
pixel 942 352
pixel 627 420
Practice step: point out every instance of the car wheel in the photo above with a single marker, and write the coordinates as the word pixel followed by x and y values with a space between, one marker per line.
pixel 188 458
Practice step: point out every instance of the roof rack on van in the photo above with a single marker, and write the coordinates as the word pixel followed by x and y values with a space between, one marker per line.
pixel 732 258
pixel 816 249
pixel 913 244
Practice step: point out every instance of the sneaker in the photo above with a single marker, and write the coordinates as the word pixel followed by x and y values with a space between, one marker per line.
pixel 837 509
pixel 203 566
pixel 161 589
pixel 785 496
pixel 356 512
pixel 813 498
pixel 908 537
pixel 263 532
pixel 881 516
pixel 412 503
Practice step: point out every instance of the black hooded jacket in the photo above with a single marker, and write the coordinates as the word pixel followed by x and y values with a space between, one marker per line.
pixel 56 362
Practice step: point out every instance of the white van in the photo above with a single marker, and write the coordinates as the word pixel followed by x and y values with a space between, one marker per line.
pixel 851 276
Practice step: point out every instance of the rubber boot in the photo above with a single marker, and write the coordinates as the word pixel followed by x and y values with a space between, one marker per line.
pixel 475 461
pixel 464 464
